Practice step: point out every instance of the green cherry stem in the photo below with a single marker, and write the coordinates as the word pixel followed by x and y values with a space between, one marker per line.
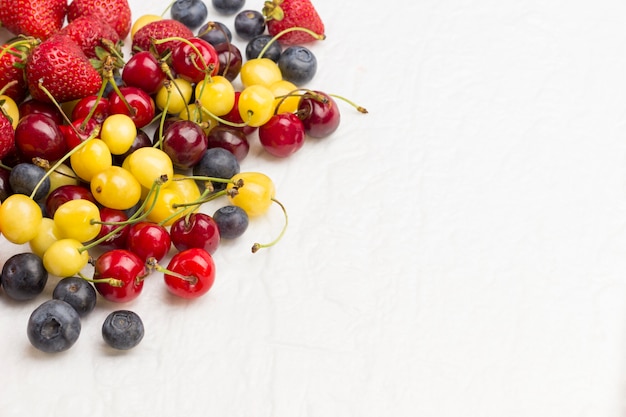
pixel 360 109
pixel 152 264
pixel 7 86
pixel 114 282
pixel 258 246
pixel 319 37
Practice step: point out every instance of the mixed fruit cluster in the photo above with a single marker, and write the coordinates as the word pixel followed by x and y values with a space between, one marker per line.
pixel 106 159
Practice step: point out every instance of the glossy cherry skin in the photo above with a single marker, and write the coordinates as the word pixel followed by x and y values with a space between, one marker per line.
pixel 188 65
pixel 65 193
pixel 83 107
pixel 38 136
pixel 199 230
pixel 75 136
pixel 185 142
pixel 123 265
pixel 118 239
pixel 143 71
pixel 282 135
pixel 198 269
pixel 232 139
pixel 320 118
pixel 148 240
pixel 230 60
pixel 142 104
pixel 48 109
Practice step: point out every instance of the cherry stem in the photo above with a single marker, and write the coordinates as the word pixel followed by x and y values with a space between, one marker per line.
pixel 58 163
pixel 219 119
pixel 58 106
pixel 168 87
pixel 319 37
pixel 360 109
pixel 22 41
pixel 114 282
pixel 93 108
pixel 7 86
pixel 152 263
pixel 207 67
pixel 258 246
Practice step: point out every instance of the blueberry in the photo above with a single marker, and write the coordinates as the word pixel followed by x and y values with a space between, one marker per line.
pixel 54 326
pixel 23 276
pixel 190 13
pixel 228 7
pixel 249 24
pixel 218 163
pixel 297 64
pixel 215 33
pixel 256 45
pixel 122 329
pixel 25 176
pixel 78 293
pixel 232 221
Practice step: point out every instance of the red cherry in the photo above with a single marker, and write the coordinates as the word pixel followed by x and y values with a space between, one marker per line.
pixel 141 103
pixel 231 139
pixel 117 240
pixel 77 135
pixel 122 265
pixel 83 107
pixel 230 60
pixel 184 142
pixel 38 136
pixel 65 193
pixel 148 240
pixel 188 65
pixel 33 106
pixel 234 116
pixel 192 273
pixel 198 230
pixel 282 135
pixel 143 71
pixel 320 117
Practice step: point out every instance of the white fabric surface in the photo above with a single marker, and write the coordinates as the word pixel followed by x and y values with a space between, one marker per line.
pixel 459 251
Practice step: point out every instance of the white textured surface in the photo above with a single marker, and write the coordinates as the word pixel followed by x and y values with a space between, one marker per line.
pixel 457 252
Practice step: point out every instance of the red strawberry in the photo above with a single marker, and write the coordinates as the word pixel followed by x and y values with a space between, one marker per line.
pixel 12 62
pixel 37 18
pixel 116 13
pixel 160 29
pixel 7 136
pixel 63 69
pixel 88 31
pixel 285 14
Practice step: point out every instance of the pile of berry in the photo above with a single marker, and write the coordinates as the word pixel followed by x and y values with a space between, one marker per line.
pixel 106 159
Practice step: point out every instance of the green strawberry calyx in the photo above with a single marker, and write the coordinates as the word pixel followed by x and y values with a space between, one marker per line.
pixel 272 10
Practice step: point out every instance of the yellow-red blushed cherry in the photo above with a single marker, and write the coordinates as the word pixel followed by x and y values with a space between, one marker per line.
pixel 20 218
pixel 256 194
pixel 256 105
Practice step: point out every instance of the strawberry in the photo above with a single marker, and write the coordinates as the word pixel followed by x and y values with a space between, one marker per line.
pixel 12 62
pixel 285 14
pixel 160 29
pixel 37 18
pixel 7 136
pixel 88 31
pixel 116 13
pixel 63 69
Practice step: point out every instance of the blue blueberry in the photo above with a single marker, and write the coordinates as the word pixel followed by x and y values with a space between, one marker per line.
pixel 123 329
pixel 232 221
pixel 215 33
pixel 78 293
pixel 190 13
pixel 249 24
pixel 25 176
pixel 217 163
pixel 23 276
pixel 54 326
pixel 297 64
pixel 228 7
pixel 256 45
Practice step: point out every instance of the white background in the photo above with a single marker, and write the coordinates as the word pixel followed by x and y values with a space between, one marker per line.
pixel 459 251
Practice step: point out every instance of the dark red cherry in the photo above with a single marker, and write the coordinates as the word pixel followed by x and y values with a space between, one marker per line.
pixel 231 139
pixel 230 60
pixel 198 230
pixel 122 265
pixel 143 71
pixel 319 114
pixel 48 109
pixel 65 193
pixel 282 134
pixel 141 140
pixel 38 136
pixel 143 108
pixel 148 240
pixel 185 142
